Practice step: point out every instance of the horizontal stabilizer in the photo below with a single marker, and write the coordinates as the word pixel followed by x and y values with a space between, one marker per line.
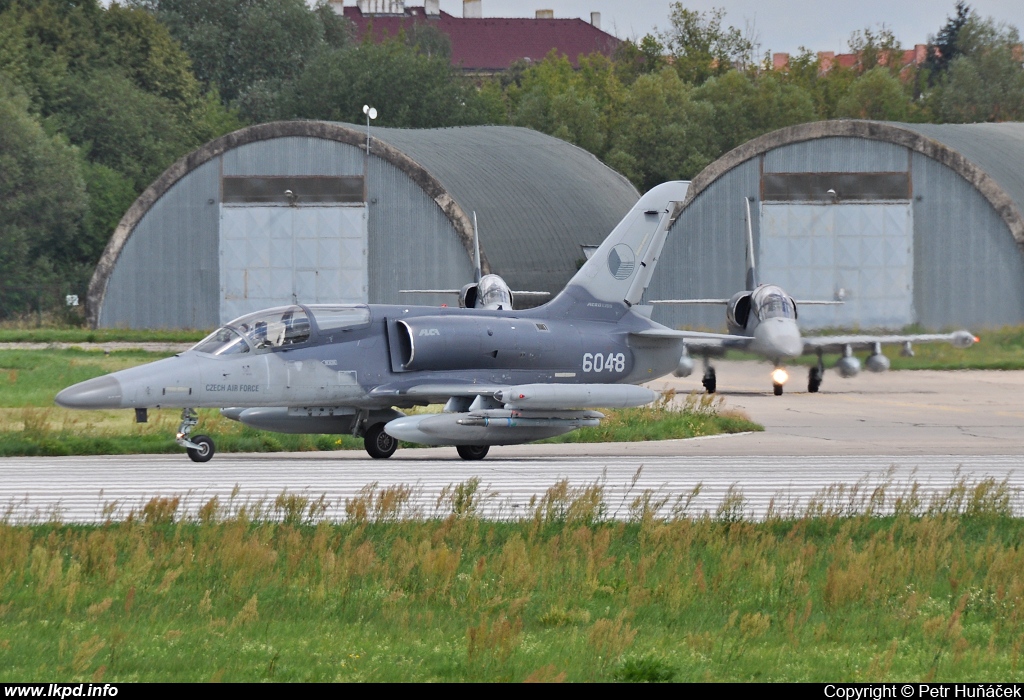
pixel 520 293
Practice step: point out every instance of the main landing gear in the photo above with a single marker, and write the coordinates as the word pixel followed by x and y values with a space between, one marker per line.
pixel 200 448
pixel 815 376
pixel 709 382
pixel 379 444
pixel 472 452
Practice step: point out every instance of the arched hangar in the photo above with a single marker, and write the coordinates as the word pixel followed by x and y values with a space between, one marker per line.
pixel 906 223
pixel 298 211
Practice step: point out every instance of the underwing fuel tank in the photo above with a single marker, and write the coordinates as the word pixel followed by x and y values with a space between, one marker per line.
pixel 531 412
pixel 566 396
pixel 304 420
pixel 488 427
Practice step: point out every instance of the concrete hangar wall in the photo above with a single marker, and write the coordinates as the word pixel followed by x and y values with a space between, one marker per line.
pixel 296 210
pixel 925 226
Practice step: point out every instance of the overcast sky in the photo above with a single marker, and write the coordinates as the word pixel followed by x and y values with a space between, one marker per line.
pixel 779 25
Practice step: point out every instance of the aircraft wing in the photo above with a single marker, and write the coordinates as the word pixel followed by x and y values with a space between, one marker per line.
pixel 551 397
pixel 689 301
pixel 837 343
pixel 698 339
pixel 521 293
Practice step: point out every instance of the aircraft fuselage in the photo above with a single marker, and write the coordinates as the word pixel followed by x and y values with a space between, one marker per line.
pixel 370 366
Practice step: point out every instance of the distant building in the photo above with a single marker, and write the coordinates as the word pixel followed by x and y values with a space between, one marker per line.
pixel 485 44
pixel 830 59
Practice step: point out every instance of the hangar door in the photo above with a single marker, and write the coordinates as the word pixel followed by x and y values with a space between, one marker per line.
pixel 854 243
pixel 286 240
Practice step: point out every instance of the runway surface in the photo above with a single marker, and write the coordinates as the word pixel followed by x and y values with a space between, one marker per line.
pixel 96 488
pixel 835 447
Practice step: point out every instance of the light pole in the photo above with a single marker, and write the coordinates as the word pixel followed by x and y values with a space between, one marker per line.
pixel 371 113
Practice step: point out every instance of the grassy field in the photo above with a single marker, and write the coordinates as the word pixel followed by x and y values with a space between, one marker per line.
pixel 928 592
pixel 31 425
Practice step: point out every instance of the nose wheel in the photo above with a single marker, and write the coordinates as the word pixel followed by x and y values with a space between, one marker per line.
pixel 777 388
pixel 199 448
pixel 203 450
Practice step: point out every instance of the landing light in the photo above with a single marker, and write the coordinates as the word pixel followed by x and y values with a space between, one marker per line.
pixel 779 376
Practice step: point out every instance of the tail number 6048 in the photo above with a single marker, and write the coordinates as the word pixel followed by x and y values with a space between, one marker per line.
pixel 596 362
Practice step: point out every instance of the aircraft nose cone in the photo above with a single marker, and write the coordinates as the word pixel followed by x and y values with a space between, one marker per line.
pixel 101 392
pixel 780 339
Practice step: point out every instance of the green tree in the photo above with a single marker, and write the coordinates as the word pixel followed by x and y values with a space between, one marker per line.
pixel 825 88
pixel 701 47
pixel 123 127
pixel 408 88
pixel 945 46
pixel 241 45
pixel 665 133
pixel 42 199
pixel 747 105
pixel 985 81
pixel 635 59
pixel 877 94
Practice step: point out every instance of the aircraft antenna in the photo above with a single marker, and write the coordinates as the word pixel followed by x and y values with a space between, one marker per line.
pixel 476 250
pixel 751 264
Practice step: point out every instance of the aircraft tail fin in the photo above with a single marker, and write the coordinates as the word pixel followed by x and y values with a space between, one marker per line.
pixel 620 269
pixel 751 262
pixel 477 274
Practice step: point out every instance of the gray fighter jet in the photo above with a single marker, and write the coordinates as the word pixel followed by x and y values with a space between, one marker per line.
pixel 504 376
pixel 766 317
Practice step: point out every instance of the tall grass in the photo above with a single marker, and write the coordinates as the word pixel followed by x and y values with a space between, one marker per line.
pixel 244 591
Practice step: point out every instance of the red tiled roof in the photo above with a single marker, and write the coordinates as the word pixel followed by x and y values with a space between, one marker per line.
pixel 494 43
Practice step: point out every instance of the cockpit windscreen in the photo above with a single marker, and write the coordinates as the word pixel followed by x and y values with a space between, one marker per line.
pixel 772 302
pixel 223 341
pixel 493 293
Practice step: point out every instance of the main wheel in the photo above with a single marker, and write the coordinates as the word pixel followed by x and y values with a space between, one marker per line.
pixel 379 444
pixel 777 388
pixel 814 380
pixel 710 381
pixel 203 453
pixel 472 452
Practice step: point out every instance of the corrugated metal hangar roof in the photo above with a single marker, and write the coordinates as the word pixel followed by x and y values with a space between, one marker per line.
pixel 534 195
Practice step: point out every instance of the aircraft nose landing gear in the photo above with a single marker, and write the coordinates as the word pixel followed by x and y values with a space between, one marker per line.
pixel 200 448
